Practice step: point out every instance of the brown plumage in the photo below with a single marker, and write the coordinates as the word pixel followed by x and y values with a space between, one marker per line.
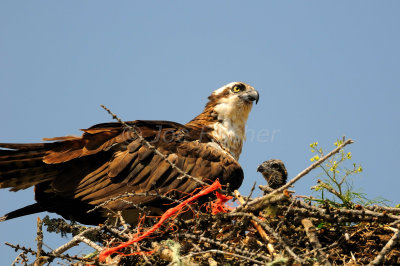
pixel 72 175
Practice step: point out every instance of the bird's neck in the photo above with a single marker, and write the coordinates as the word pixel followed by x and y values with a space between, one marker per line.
pixel 225 128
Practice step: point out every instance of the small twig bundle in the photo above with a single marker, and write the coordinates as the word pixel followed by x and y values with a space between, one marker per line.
pixel 273 229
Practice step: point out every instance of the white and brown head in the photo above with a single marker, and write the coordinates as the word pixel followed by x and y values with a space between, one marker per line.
pixel 226 114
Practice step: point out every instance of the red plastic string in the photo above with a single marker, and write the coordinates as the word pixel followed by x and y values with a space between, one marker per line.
pixel 214 186
pixel 219 204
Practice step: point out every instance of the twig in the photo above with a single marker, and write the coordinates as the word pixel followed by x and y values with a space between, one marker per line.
pixel 249 197
pixel 74 241
pixel 373 214
pixel 341 215
pixel 128 194
pixel 260 230
pixel 285 215
pixel 262 202
pixel 331 246
pixel 122 221
pixel 272 232
pixel 302 173
pixel 223 245
pixel 313 166
pixel 386 249
pixel 331 190
pixel 21 256
pixel 395 223
pixel 382 208
pixel 59 225
pixel 39 238
pixel 312 236
pixel 225 253
pixel 61 256
pixel 144 256
pixel 121 234
pixel 88 242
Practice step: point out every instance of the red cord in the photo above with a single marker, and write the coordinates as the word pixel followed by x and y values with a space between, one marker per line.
pixel 214 186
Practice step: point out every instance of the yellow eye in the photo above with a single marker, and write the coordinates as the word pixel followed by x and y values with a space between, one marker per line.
pixel 236 89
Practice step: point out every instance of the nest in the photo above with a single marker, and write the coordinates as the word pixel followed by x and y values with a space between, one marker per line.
pixel 276 229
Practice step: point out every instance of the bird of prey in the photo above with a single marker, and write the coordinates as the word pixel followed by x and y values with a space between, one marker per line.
pixel 274 171
pixel 72 175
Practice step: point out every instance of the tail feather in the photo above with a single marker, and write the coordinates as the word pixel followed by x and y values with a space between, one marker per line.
pixel 18 183
pixel 8 164
pixel 25 146
pixel 15 155
pixel 30 209
pixel 22 166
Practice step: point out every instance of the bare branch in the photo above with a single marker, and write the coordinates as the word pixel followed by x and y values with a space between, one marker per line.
pixel 272 232
pixel 223 245
pixel 75 240
pixel 39 238
pixel 88 242
pixel 193 254
pixel 258 227
pixel 300 175
pixel 45 254
pixel 313 166
pixel 386 249
pixel 128 194
pixel 312 236
pixel 20 258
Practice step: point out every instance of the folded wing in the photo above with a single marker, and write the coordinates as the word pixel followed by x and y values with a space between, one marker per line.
pixel 72 175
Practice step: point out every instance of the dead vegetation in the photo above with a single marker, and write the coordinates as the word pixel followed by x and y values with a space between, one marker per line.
pixel 278 228
pixel 283 231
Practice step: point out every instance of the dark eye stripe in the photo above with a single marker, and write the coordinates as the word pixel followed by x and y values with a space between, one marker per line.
pixel 238 87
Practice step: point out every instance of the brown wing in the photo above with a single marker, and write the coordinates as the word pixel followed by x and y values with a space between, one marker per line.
pixel 76 174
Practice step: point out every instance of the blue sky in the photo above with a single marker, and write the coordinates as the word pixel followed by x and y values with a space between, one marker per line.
pixel 323 69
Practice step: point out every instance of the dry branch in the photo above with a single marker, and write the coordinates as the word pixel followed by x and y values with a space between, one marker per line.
pixel 386 249
pixel 313 166
pixel 312 236
pixel 233 237
pixel 227 254
pixel 299 176
pixel 75 240
pixel 244 235
pixel 259 228
pixel 26 250
pixel 39 238
pixel 20 258
pixel 272 232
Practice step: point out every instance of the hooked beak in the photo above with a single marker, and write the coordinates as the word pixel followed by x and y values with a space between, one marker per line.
pixel 260 168
pixel 250 96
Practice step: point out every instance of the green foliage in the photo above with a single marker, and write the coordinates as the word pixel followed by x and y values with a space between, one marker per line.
pixel 335 185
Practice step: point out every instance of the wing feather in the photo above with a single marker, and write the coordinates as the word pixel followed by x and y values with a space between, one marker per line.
pixel 108 160
pixel 120 162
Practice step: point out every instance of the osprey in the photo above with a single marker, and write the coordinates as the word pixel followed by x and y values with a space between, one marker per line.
pixel 72 175
pixel 274 171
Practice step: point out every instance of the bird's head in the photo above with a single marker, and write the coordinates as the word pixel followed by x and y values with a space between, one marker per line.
pixel 233 101
pixel 225 115
pixel 228 109
pixel 274 171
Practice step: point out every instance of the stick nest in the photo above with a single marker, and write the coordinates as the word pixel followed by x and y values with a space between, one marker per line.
pixel 276 230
